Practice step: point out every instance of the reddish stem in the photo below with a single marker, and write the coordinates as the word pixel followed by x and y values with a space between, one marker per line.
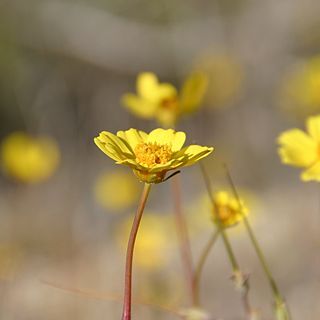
pixel 126 313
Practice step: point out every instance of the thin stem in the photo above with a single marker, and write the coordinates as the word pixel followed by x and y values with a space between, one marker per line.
pixel 183 238
pixel 200 265
pixel 126 314
pixel 225 238
pixel 254 241
pixel 239 279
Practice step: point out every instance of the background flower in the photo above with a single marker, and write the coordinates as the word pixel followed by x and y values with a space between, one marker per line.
pixel 301 149
pixel 29 159
pixel 116 190
pixel 300 94
pixel 162 101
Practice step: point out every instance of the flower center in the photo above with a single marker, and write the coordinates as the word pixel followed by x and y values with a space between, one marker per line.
pixel 169 103
pixel 151 154
pixel 225 212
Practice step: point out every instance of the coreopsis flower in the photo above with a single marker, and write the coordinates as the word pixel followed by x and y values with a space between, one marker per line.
pixel 162 101
pixel 152 247
pixel 300 91
pixel 108 182
pixel 228 209
pixel 301 149
pixel 151 155
pixel 29 159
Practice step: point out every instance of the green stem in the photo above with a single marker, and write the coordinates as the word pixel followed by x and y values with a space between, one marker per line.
pixel 255 243
pixel 225 238
pixel 239 279
pixel 126 313
pixel 200 265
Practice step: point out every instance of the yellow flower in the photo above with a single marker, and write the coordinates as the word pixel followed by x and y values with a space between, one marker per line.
pixel 228 209
pixel 116 190
pixel 29 159
pixel 152 247
pixel 194 314
pixel 162 100
pixel 151 155
pixel 302 149
pixel 300 92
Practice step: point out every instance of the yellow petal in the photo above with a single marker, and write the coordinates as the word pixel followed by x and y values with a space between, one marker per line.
pixel 107 150
pixel 193 91
pixel 194 153
pixel 147 86
pixel 313 127
pixel 140 107
pixel 297 148
pixel 167 137
pixel 108 137
pixel 133 137
pixel 166 91
pixel 312 173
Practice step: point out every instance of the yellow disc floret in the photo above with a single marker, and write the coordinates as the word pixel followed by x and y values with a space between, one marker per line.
pixel 151 154
pixel 228 209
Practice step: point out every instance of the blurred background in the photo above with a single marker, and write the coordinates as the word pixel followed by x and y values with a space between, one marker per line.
pixel 65 207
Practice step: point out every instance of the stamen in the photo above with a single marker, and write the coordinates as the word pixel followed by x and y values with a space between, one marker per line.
pixel 151 154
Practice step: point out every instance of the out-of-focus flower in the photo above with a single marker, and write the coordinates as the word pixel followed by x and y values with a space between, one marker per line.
pixel 302 149
pixel 151 155
pixel 225 78
pixel 152 247
pixel 29 159
pixel 300 91
pixel 162 101
pixel 116 190
pixel 228 209
pixel 200 212
pixel 194 314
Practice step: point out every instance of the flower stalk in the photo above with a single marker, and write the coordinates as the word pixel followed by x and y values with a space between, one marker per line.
pixel 281 310
pixel 126 314
pixel 240 280
pixel 200 265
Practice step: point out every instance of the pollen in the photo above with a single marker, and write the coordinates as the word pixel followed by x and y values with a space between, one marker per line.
pixel 151 154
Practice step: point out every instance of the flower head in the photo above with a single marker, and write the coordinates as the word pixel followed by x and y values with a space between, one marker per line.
pixel 228 209
pixel 29 159
pixel 162 101
pixel 302 149
pixel 151 155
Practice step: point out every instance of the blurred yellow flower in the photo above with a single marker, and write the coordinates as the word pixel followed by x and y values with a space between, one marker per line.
pixel 228 209
pixel 194 314
pixel 162 100
pixel 225 78
pixel 29 159
pixel 302 149
pixel 153 243
pixel 300 92
pixel 151 155
pixel 107 190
